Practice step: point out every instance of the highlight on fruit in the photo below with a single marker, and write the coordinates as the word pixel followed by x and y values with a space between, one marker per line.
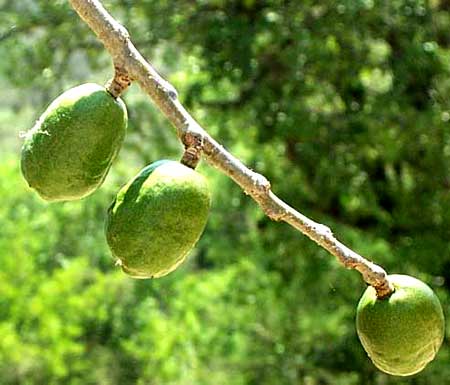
pixel 403 332
pixel 70 149
pixel 157 218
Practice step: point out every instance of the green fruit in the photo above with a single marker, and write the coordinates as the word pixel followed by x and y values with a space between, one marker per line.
pixel 68 152
pixel 403 332
pixel 157 218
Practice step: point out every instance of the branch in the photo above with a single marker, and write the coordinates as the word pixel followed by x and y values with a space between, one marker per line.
pixel 126 57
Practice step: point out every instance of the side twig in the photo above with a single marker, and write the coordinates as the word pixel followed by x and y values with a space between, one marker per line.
pixel 128 59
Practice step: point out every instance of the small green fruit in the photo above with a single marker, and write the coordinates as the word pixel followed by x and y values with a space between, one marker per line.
pixel 401 333
pixel 157 218
pixel 68 152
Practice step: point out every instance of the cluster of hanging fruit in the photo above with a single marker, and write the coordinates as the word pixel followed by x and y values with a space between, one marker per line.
pixel 157 218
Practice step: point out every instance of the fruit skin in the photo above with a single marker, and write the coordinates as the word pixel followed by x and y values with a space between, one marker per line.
pixel 68 152
pixel 402 333
pixel 157 218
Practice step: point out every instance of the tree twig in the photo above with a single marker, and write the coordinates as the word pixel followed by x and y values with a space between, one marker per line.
pixel 128 59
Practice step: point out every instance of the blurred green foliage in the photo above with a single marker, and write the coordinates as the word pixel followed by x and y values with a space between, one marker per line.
pixel 343 105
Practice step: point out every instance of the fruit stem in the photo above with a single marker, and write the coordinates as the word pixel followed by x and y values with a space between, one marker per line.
pixel 385 289
pixel 193 150
pixel 119 83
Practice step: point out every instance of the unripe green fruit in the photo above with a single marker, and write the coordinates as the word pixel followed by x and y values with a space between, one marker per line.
pixel 68 152
pixel 403 332
pixel 157 218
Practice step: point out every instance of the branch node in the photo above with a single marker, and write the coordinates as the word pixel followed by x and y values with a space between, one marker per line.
pixel 173 94
pixel 259 185
pixel 323 230
pixel 122 32
pixel 168 89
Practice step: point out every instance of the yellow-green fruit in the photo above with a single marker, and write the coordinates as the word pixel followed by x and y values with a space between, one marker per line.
pixel 403 332
pixel 157 218
pixel 68 152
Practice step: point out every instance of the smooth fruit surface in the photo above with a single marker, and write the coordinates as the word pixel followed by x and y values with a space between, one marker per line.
pixel 401 333
pixel 68 152
pixel 157 218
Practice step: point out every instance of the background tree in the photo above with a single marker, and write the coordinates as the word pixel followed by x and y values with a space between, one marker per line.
pixel 342 105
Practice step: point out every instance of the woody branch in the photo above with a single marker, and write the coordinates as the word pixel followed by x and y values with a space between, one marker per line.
pixel 130 65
